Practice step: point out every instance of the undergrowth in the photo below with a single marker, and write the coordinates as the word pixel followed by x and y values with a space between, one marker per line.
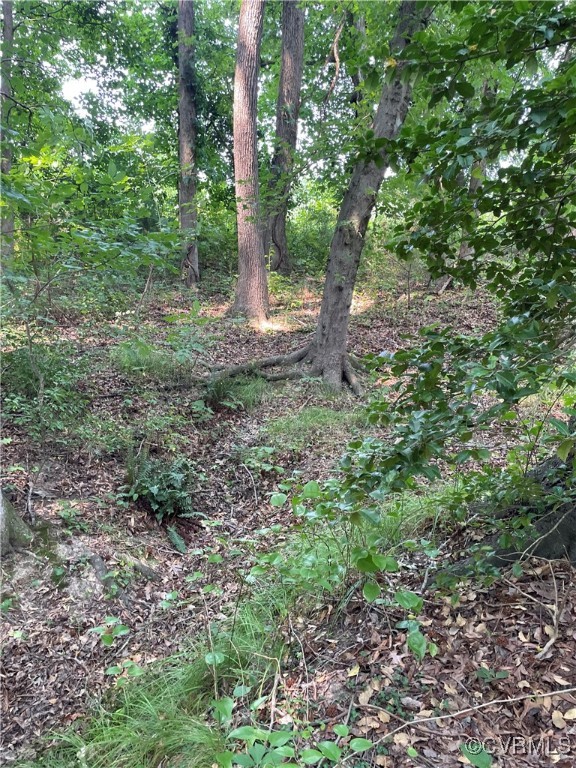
pixel 183 710
pixel 41 390
pixel 313 425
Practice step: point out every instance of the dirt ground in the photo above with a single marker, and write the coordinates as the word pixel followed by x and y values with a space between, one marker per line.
pixel 93 558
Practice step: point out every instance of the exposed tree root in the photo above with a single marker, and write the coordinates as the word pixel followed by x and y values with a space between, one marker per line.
pixel 223 372
pixel 334 373
pixel 303 362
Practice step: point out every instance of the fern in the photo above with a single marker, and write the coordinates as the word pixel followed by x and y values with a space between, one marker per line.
pixel 164 488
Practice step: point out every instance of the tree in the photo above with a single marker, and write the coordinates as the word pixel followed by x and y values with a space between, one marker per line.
pixel 287 112
pixel 5 99
pixel 522 246
pixel 14 533
pixel 187 141
pixel 328 356
pixel 252 288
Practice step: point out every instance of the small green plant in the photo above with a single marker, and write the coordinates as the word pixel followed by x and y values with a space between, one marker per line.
pixel 269 748
pixel 260 458
pixel 7 604
pixel 41 393
pixel 488 676
pixel 124 671
pixel 69 516
pixel 236 393
pixel 110 630
pixel 163 487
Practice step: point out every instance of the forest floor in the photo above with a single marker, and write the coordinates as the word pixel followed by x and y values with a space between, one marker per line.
pixel 96 559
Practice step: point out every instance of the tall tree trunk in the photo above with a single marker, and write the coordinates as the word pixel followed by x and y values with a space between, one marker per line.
pixel 6 92
pixel 328 353
pixel 287 111
pixel 187 141
pixel 252 288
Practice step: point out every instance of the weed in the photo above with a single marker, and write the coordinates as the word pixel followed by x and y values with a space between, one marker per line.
pixel 101 436
pixel 163 487
pixel 314 425
pixel 69 516
pixel 110 630
pixel 41 390
pixel 236 393
pixel 260 458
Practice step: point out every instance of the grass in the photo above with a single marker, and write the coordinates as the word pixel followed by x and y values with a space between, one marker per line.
pixel 165 717
pixel 314 425
pixel 237 393
pixel 139 358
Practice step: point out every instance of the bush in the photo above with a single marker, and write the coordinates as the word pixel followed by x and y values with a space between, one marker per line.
pixel 41 389
pixel 236 393
pixel 162 487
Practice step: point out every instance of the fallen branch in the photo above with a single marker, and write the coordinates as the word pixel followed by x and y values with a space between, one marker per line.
pixel 416 723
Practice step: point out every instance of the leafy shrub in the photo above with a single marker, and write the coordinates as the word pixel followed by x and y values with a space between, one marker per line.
pixel 163 487
pixel 40 383
pixel 310 227
pixel 236 393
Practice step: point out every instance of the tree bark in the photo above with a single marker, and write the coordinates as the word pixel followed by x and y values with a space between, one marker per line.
pixel 14 533
pixel 7 223
pixel 328 353
pixel 287 112
pixel 187 142
pixel 252 289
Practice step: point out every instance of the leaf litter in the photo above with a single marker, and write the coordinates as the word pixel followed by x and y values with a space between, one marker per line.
pixel 489 683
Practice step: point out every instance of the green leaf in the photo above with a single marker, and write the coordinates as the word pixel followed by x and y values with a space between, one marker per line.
pixel 214 658
pixel 310 756
pixel 360 745
pixel 409 600
pixel 278 499
pixel 465 89
pixel 417 644
pixel 248 733
pixel 476 754
pixel 284 751
pixel 279 738
pixel 371 591
pixel 176 539
pixel 224 759
pixel 330 750
pixel 311 490
pixel 341 730
pixel 564 448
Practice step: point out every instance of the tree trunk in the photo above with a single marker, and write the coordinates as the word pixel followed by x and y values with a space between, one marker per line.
pixel 252 288
pixel 7 225
pixel 187 142
pixel 14 533
pixel 328 353
pixel 287 111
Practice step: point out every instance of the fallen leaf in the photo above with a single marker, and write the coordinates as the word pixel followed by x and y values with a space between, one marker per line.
pixel 558 719
pixel 353 671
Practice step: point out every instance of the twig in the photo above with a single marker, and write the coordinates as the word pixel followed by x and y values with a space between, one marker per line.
pixel 29 505
pixel 306 675
pixel 335 56
pixel 253 483
pixel 416 723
